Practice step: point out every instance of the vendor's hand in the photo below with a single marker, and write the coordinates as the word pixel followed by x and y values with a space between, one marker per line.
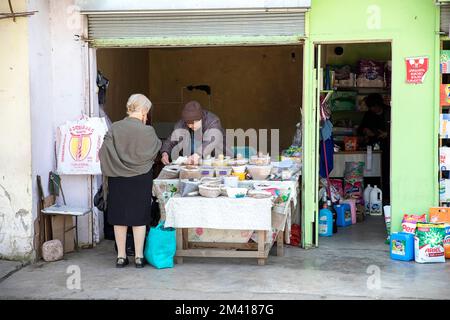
pixel 369 133
pixel 193 159
pixel 165 158
pixel 382 134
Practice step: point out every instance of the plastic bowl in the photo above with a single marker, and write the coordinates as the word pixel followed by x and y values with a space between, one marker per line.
pixel 236 192
pixel 259 172
pixel 190 172
pixel 231 182
pixel 279 208
pixel 241 176
pixel 209 191
pixel 259 194
pixel 239 169
pixel 223 172
pixel 207 162
pixel 207 171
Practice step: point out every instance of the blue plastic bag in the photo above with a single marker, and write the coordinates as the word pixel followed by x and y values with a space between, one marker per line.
pixel 160 246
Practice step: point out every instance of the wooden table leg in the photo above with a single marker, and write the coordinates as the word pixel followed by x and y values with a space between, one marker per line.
pixel 280 244
pixel 185 238
pixel 261 245
pixel 179 260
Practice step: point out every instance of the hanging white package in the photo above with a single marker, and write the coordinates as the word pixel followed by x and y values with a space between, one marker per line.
pixel 369 158
pixel 444 190
pixel 78 144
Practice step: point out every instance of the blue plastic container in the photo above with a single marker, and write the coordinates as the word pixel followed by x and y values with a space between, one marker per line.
pixel 325 223
pixel 402 246
pixel 344 215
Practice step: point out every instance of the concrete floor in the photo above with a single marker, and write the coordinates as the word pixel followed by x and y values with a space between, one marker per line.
pixel 7 268
pixel 342 268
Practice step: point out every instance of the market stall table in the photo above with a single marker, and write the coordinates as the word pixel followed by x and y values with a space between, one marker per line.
pixel 223 214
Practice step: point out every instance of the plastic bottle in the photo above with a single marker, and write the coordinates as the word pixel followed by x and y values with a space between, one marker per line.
pixel 352 204
pixel 366 198
pixel 376 201
pixel 344 215
pixel 369 158
pixel 325 222
pixel 333 211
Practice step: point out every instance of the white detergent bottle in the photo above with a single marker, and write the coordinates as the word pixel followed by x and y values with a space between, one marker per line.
pixel 376 201
pixel 366 198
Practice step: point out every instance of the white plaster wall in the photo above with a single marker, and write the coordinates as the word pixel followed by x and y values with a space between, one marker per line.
pixel 59 92
pixel 16 230
pixel 43 83
pixel 40 95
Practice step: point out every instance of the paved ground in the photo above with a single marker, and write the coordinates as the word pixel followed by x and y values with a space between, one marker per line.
pixel 7 268
pixel 345 266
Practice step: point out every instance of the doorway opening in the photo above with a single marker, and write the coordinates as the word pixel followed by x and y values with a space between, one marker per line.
pixel 354 102
pixel 247 87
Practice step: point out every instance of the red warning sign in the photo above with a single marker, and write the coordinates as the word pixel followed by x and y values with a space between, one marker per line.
pixel 416 68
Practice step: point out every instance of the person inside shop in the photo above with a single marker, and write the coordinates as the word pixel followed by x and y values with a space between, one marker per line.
pixel 375 130
pixel 374 126
pixel 193 118
pixel 126 159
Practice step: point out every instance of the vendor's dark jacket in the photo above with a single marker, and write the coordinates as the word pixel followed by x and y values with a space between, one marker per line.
pixel 376 123
pixel 209 121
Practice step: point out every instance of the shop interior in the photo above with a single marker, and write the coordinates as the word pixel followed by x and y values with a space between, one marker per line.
pixel 354 142
pixel 247 87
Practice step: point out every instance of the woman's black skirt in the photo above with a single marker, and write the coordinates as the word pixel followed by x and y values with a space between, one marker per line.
pixel 130 200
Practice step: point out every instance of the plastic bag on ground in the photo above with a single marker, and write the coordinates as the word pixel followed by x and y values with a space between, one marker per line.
pixel 160 246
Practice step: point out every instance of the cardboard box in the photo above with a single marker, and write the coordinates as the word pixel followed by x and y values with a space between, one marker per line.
pixel 439 214
pixel 59 222
pixel 360 213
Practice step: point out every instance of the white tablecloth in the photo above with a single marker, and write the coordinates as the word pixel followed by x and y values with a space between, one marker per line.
pixel 219 213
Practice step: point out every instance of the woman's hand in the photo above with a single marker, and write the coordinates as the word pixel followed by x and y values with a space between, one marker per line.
pixel 165 158
pixel 382 134
pixel 369 132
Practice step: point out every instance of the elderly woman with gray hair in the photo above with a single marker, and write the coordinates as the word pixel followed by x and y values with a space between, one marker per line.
pixel 126 159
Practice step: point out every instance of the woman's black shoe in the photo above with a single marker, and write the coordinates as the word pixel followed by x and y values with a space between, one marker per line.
pixel 122 262
pixel 140 262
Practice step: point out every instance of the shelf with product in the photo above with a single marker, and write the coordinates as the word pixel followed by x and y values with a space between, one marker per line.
pixel 348 79
pixel 444 135
pixel 348 109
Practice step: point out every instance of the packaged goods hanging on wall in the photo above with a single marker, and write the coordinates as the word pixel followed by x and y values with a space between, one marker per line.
pixel 78 143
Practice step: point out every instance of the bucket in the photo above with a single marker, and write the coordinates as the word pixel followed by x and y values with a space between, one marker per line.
pixel 325 223
pixel 402 246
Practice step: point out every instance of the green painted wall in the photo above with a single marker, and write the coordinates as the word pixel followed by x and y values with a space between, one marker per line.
pixel 411 25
